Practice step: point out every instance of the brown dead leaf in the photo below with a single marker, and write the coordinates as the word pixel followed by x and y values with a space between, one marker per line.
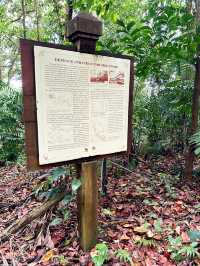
pixel 137 238
pixel 48 256
pixel 111 234
pixel 178 230
pixel 150 234
pixel 48 241
pixel 124 237
pixel 128 225
pixel 185 237
pixel 148 262
pixel 158 237
pixel 140 229
pixel 40 240
pixel 4 260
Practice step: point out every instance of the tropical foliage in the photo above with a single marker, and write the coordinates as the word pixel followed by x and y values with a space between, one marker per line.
pixel 11 129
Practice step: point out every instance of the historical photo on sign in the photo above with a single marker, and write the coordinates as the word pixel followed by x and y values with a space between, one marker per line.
pixel 99 76
pixel 82 104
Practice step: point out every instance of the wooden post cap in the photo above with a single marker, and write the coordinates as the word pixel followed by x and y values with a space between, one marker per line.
pixel 84 26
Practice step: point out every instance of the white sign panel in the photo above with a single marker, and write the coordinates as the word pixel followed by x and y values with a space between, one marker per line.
pixel 82 104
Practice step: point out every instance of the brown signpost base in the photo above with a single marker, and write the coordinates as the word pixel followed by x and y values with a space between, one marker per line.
pixel 84 30
pixel 87 206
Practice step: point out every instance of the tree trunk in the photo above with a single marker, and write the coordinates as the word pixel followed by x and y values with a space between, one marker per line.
pixel 189 159
pixel 190 156
pixel 37 19
pixel 24 18
pixel 69 15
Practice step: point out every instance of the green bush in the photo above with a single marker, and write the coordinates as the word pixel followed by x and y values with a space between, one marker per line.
pixel 195 140
pixel 11 127
pixel 161 119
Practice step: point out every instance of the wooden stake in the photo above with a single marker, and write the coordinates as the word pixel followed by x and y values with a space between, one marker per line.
pixel 87 204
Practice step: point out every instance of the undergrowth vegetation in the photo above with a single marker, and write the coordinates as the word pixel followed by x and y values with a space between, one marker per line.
pixel 11 124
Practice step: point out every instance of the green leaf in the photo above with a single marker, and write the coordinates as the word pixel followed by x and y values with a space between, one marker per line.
pixel 100 255
pixel 123 255
pixel 57 173
pixel 56 221
pixel 120 23
pixel 66 214
pixel 67 199
pixel 53 192
pixel 194 235
pixel 157 226
pixel 107 212
pixel 76 183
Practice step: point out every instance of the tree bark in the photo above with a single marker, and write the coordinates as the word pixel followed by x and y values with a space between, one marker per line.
pixel 189 159
pixel 190 156
pixel 24 18
pixel 69 15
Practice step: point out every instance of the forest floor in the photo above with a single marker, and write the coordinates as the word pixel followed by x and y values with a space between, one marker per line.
pixel 152 213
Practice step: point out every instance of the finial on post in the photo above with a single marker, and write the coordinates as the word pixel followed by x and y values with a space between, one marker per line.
pixel 84 31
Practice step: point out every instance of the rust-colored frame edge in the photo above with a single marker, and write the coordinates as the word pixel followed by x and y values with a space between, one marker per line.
pixel 29 101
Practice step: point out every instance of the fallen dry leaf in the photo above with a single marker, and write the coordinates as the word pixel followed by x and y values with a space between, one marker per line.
pixel 48 256
pixel 185 237
pixel 140 229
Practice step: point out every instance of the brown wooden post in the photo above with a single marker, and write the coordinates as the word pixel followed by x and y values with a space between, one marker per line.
pixel 84 31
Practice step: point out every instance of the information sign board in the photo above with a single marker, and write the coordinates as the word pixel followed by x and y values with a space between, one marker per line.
pixel 80 103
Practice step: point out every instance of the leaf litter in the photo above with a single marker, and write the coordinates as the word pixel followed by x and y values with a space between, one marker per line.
pixel 149 214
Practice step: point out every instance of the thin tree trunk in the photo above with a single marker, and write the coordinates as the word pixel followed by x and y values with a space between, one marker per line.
pixel 190 156
pixel 189 159
pixel 69 15
pixel 24 18
pixel 37 19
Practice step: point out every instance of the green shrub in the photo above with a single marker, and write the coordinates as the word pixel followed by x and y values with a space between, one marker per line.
pixel 195 140
pixel 100 255
pixel 11 127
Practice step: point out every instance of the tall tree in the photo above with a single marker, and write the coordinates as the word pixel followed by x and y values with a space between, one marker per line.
pixel 190 156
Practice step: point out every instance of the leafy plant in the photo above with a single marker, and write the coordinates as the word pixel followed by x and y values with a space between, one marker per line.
pixel 76 183
pixel 180 252
pixel 169 181
pixel 53 185
pixel 100 254
pixel 157 226
pixel 143 242
pixel 194 235
pixel 11 129
pixel 123 255
pixel 195 140
pixel 174 247
pixel 190 251
pixel 63 260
